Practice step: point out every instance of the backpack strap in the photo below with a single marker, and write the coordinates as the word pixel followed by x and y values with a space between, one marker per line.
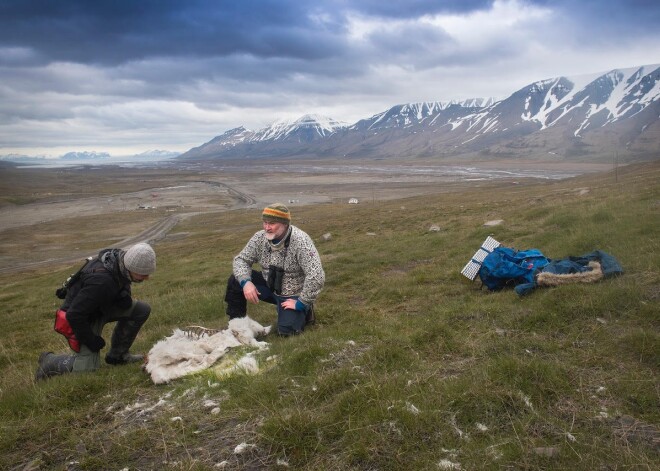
pixel 61 291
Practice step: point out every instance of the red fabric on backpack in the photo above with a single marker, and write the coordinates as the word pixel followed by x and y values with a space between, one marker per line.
pixel 63 327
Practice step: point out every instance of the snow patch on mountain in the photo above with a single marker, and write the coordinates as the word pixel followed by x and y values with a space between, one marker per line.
pixel 312 124
pixel 611 90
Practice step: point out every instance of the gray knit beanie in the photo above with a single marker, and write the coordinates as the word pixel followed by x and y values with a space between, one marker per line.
pixel 140 259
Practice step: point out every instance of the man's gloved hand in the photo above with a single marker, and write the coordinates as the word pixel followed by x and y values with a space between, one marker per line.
pixel 96 344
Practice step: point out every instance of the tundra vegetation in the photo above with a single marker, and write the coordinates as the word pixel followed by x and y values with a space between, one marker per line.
pixel 409 366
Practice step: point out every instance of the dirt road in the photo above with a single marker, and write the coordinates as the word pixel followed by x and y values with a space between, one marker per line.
pixel 200 197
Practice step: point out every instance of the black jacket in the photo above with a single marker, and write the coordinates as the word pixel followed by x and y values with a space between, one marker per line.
pixel 102 284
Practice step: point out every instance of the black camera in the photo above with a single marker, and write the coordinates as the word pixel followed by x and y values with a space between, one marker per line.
pixel 275 275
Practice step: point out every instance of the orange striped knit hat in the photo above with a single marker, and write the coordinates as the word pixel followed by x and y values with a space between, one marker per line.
pixel 277 212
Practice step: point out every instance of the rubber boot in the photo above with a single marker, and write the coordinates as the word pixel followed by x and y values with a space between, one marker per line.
pixel 124 335
pixel 53 365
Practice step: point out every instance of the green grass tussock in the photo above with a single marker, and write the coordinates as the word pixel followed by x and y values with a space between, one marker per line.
pixel 409 366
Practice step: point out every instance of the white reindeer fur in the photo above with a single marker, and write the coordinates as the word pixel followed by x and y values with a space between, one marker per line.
pixel 180 354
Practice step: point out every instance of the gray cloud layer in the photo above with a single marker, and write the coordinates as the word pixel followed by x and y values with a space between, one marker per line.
pixel 130 76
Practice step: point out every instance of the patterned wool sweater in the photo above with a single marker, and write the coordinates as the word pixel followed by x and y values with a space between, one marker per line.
pixel 303 273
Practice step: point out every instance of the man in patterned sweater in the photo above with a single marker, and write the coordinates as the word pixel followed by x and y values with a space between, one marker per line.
pixel 291 278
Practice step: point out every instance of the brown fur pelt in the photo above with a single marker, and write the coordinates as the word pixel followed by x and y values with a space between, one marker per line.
pixel 553 279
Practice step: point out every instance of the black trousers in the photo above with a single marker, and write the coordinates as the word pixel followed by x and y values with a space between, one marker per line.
pixel 289 321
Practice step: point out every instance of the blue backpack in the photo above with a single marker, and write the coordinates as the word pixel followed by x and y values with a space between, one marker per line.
pixel 505 266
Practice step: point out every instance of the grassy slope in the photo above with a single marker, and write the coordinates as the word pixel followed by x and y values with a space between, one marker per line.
pixel 410 365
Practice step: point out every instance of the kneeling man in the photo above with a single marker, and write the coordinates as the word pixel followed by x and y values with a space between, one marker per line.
pixel 102 294
pixel 291 278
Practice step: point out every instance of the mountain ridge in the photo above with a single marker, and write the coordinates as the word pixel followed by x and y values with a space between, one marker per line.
pixel 572 118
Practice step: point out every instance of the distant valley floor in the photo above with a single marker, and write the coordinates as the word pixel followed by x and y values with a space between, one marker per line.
pixel 51 216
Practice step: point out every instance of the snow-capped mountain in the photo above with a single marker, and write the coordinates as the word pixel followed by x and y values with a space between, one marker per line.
pixel 278 139
pixel 309 128
pixel 586 117
pixel 85 156
pixel 413 114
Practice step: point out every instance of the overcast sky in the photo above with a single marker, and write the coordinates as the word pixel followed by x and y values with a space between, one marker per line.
pixel 127 76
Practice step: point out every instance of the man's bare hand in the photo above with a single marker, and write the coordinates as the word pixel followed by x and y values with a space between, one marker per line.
pixel 289 303
pixel 250 292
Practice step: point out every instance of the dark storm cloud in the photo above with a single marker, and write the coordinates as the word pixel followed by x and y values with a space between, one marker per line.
pixel 134 71
pixel 111 32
